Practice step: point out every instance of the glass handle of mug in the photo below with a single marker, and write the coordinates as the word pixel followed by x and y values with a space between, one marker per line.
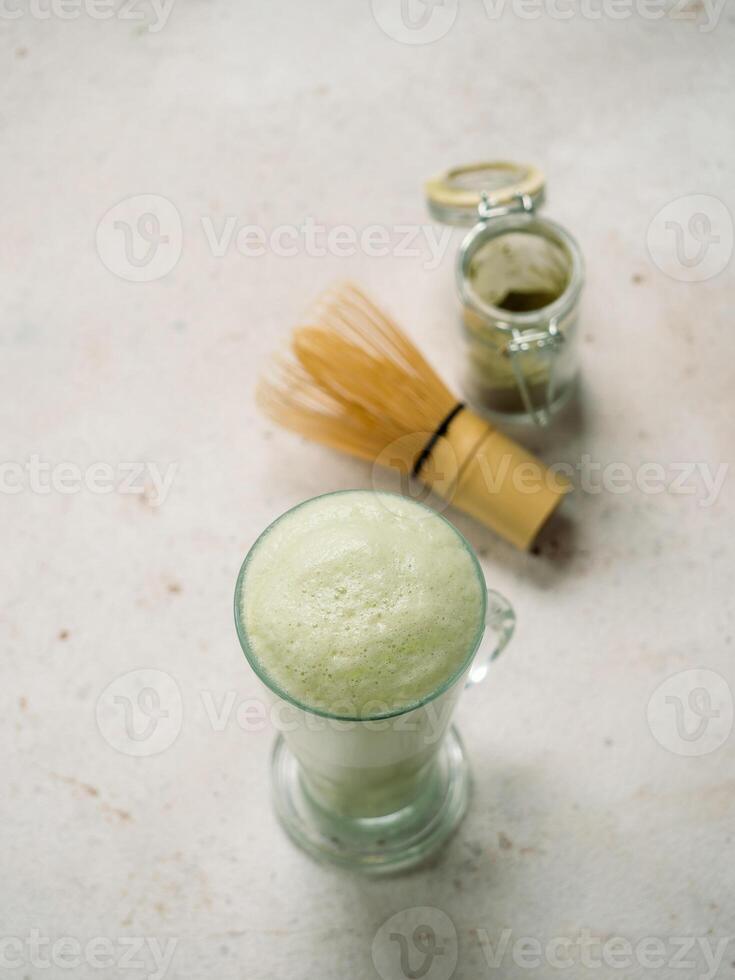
pixel 549 342
pixel 500 622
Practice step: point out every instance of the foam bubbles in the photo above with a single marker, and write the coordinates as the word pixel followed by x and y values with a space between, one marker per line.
pixel 360 598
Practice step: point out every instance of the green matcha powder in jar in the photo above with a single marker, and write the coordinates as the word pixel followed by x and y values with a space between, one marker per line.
pixel 519 279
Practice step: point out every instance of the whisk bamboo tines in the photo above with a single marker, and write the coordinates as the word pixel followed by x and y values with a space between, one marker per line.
pixel 354 381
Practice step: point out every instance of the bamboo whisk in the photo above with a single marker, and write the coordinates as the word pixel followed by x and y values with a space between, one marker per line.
pixel 353 381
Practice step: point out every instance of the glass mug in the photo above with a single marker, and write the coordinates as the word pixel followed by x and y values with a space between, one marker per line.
pixel 381 792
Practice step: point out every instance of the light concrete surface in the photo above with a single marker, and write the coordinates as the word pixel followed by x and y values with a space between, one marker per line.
pixel 592 810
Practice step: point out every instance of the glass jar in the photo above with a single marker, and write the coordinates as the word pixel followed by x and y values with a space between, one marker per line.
pixel 519 278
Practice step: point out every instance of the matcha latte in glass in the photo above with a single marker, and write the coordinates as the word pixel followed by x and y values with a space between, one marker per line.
pixel 363 613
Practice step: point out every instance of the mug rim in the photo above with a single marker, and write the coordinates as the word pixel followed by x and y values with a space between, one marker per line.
pixel 262 674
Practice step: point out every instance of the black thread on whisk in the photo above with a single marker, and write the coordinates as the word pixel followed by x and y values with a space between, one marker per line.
pixel 438 433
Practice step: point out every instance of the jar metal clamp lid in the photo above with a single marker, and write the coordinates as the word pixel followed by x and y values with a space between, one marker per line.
pixel 478 191
pixel 499 200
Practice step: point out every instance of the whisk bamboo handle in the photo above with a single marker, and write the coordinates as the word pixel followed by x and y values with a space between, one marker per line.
pixel 482 472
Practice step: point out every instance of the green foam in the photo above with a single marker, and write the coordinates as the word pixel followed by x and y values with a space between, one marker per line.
pixel 356 603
